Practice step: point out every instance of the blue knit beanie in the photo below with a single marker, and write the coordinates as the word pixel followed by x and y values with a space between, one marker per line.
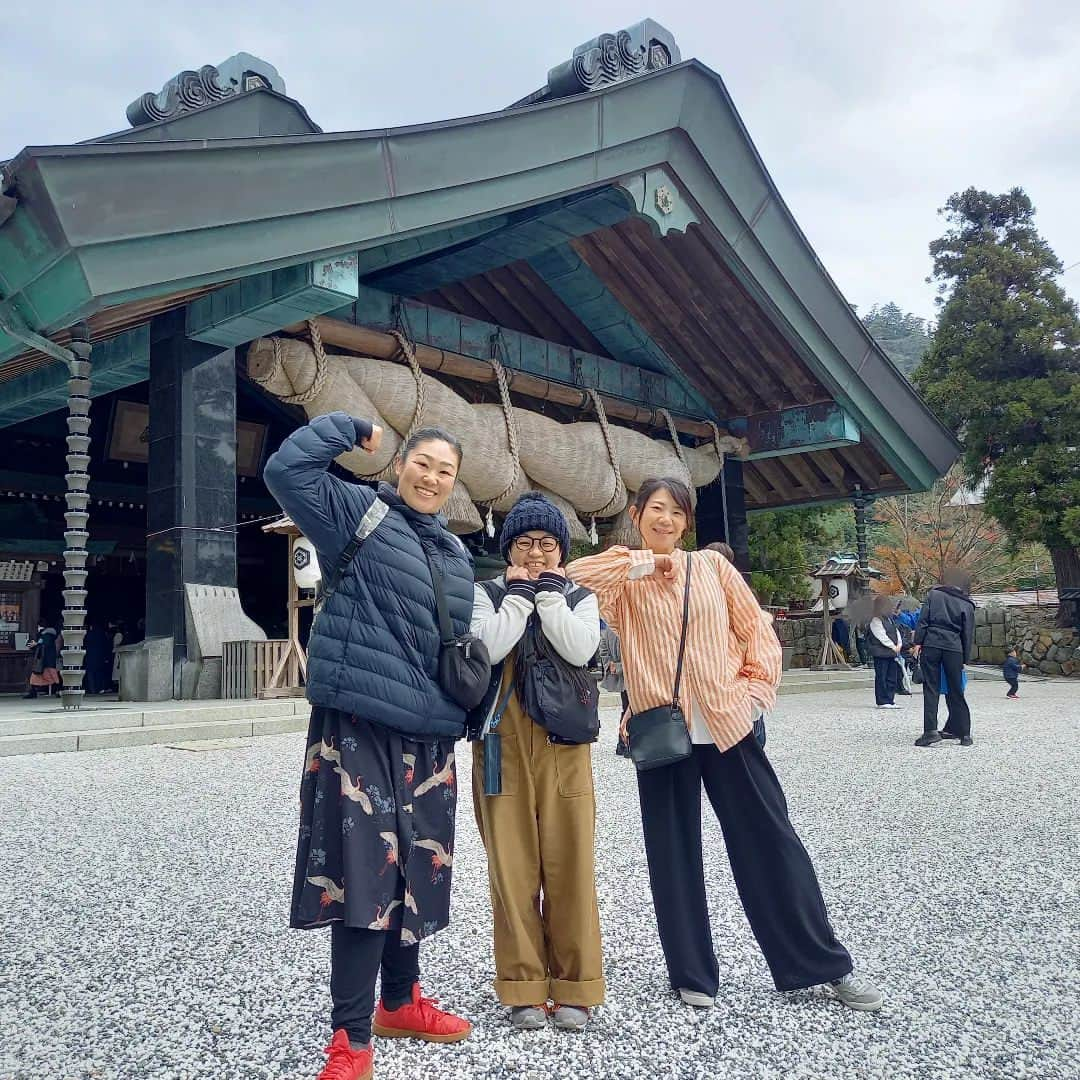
pixel 533 513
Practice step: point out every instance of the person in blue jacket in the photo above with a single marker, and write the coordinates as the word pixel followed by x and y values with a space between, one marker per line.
pixel 379 791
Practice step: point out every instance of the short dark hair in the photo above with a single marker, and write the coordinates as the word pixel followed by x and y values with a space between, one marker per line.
pixel 957 578
pixel 430 434
pixel 675 488
pixel 725 549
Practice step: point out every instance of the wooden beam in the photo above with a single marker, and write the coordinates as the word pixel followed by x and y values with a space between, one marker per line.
pixel 532 355
pixel 828 463
pixel 383 346
pixel 703 251
pixel 702 311
pixel 771 472
pixel 868 472
pixel 732 396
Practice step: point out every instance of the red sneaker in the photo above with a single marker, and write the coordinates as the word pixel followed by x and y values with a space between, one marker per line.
pixel 420 1020
pixel 346 1063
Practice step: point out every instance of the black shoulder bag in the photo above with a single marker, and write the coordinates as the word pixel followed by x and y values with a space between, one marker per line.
pixel 660 736
pixel 464 664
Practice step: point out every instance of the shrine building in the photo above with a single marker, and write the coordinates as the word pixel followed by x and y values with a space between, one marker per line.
pixel 613 240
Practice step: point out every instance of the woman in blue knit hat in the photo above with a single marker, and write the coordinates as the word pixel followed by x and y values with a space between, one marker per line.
pixel 537 813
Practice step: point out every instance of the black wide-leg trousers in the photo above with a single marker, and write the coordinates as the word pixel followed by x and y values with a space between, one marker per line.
pixel 772 870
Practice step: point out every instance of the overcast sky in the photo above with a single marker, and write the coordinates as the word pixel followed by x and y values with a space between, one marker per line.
pixel 868 114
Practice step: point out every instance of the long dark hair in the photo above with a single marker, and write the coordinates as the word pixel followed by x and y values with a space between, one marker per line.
pixel 430 434
pixel 676 489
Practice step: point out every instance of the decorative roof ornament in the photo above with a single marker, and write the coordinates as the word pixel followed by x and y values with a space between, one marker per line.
pixel 610 58
pixel 192 90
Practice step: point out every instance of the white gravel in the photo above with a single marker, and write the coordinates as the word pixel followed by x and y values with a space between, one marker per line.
pixel 144 892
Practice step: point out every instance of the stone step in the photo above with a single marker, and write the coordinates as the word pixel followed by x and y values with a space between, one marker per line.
pixel 53 719
pixel 841 681
pixel 114 738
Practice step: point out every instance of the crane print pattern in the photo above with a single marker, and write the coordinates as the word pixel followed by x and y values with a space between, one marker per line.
pixel 376 829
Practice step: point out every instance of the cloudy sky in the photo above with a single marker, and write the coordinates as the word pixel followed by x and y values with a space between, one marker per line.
pixel 868 114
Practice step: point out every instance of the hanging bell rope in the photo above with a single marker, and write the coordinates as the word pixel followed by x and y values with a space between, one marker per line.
pixel 512 441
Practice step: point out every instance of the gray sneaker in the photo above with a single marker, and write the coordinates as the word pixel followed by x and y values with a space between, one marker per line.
pixel 528 1017
pixel 697 998
pixel 570 1017
pixel 857 992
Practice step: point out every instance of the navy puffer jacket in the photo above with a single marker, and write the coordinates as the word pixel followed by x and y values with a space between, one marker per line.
pixel 374 650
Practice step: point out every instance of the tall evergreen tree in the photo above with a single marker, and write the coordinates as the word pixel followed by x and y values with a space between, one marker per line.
pixel 902 335
pixel 1003 371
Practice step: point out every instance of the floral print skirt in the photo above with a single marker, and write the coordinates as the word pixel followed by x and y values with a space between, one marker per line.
pixel 376 847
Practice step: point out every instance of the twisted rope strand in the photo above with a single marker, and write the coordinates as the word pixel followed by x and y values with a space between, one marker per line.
pixel 605 429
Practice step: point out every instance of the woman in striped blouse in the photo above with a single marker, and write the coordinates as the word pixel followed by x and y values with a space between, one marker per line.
pixel 730 674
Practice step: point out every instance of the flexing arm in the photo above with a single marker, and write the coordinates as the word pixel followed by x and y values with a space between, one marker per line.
pixel 606 575
pixel 324 507
pixel 574 633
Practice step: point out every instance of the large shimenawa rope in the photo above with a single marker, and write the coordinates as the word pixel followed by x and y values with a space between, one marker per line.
pixel 315 389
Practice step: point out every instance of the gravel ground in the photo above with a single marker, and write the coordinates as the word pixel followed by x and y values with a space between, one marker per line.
pixel 144 893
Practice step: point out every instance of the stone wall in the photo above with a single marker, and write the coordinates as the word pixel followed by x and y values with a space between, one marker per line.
pixel 1040 645
pixel 804 636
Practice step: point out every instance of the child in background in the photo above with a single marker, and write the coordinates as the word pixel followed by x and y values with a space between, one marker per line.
pixel 1011 670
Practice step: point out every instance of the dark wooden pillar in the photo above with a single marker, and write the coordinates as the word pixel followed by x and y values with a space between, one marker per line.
pixel 191 476
pixel 721 513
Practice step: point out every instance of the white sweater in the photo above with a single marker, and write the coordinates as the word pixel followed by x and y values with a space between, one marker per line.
pixel 574 634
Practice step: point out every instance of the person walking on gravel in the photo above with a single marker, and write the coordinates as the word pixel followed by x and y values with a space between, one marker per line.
pixel 944 637
pixel 539 829
pixel 885 645
pixel 731 671
pixel 378 795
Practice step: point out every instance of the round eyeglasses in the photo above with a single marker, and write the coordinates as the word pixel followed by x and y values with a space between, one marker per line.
pixel 545 543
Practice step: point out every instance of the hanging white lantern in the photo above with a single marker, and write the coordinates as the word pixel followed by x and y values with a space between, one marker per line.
pixel 305 563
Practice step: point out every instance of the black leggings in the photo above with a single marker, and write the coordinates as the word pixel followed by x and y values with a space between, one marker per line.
pixel 355 959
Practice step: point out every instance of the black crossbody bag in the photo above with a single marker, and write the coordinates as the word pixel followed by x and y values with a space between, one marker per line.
pixel 660 736
pixel 464 664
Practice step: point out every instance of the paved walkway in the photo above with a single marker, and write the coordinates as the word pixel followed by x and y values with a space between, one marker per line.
pixel 144 891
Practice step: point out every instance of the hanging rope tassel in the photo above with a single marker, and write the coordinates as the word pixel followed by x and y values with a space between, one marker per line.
pixel 489 523
pixel 594 538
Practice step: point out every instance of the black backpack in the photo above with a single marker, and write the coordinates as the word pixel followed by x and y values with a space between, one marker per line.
pixel 561 698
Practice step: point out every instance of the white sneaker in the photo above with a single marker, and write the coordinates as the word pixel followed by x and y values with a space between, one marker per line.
pixel 893 706
pixel 857 992
pixel 698 999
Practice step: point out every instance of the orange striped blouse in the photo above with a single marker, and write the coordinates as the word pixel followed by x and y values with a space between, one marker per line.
pixel 732 653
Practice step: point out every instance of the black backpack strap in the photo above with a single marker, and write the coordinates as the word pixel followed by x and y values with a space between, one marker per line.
pixel 368 524
pixel 495 591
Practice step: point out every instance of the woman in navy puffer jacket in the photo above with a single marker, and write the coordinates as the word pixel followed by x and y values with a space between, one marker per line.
pixel 379 792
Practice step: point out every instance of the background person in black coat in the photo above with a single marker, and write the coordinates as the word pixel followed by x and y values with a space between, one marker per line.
pixel 943 642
